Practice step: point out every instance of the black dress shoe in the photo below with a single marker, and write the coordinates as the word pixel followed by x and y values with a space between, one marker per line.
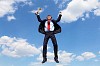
pixel 44 60
pixel 56 60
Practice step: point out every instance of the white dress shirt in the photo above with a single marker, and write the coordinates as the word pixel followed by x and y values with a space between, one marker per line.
pixel 51 26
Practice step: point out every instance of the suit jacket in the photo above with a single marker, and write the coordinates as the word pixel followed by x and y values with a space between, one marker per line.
pixel 57 28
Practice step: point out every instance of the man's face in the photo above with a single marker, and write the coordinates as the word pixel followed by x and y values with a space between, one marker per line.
pixel 49 17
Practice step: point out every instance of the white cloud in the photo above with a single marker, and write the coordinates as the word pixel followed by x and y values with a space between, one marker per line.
pixel 59 64
pixel 97 12
pixel 65 58
pixel 87 15
pixel 41 47
pixel 99 52
pixel 6 6
pixel 60 3
pixel 21 0
pixel 34 11
pixel 56 1
pixel 17 47
pixel 96 60
pixel 83 19
pixel 9 6
pixel 86 56
pixel 25 2
pixel 11 18
pixel 78 8
pixel 35 64
pixel 80 58
pixel 50 57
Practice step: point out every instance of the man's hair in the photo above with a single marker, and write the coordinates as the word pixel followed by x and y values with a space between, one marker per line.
pixel 50 15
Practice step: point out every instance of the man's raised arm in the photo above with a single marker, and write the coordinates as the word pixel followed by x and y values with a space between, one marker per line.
pixel 59 17
pixel 38 17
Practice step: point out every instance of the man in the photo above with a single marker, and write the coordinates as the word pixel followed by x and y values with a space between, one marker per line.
pixel 49 27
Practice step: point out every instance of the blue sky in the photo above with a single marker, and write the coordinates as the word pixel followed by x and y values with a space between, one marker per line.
pixel 21 43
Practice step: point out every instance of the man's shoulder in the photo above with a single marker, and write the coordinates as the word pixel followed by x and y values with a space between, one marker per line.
pixel 45 20
pixel 54 21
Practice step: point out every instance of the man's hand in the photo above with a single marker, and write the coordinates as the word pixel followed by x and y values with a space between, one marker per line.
pixel 36 13
pixel 60 13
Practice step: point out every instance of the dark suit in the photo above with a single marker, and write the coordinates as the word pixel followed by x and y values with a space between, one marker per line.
pixel 50 34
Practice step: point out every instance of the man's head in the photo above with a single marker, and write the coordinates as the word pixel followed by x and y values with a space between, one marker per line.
pixel 49 17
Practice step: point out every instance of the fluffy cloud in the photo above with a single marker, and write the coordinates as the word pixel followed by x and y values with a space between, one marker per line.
pixel 11 18
pixel 86 55
pixel 65 58
pixel 6 6
pixel 9 6
pixel 97 12
pixel 42 9
pixel 34 11
pixel 80 58
pixel 59 65
pixel 17 47
pixel 60 3
pixel 97 60
pixel 35 64
pixel 79 8
pixel 99 52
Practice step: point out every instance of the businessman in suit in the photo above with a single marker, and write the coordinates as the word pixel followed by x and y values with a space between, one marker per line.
pixel 49 28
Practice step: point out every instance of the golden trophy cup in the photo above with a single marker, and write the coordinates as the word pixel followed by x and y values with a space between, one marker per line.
pixel 39 10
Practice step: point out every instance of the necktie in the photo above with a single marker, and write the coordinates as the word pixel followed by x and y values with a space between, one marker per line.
pixel 49 25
